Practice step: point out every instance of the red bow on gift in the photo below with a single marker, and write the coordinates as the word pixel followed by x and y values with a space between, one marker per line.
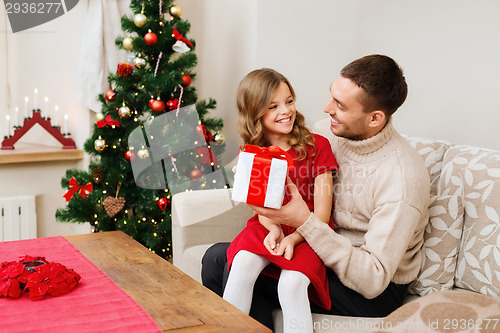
pixel 108 121
pixel 177 35
pixel 74 187
pixel 272 151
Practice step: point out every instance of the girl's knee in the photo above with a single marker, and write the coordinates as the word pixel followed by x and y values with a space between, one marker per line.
pixel 248 261
pixel 292 282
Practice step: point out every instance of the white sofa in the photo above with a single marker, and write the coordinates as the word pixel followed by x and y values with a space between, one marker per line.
pixel 461 249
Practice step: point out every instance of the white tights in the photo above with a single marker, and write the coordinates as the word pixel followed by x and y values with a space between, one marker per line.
pixel 292 291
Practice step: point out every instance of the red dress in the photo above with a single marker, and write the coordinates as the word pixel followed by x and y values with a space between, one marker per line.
pixel 304 259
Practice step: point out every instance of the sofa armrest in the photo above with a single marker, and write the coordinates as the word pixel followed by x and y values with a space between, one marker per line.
pixel 200 219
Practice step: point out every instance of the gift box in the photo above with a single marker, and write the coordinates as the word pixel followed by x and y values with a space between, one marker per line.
pixel 260 176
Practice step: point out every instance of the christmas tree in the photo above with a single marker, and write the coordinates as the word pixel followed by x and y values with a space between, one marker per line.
pixel 150 136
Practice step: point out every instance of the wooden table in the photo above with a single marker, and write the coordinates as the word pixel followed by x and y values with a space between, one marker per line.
pixel 173 299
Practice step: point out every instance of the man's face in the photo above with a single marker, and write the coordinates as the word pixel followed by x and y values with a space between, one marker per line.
pixel 348 118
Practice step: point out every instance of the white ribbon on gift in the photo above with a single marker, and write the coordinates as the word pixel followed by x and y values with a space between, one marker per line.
pixel 180 47
pixel 276 183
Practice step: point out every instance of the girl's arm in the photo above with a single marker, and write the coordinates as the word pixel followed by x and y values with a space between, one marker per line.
pixel 323 196
pixel 275 234
pixel 267 222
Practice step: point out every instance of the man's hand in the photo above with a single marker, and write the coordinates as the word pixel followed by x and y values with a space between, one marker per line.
pixel 295 213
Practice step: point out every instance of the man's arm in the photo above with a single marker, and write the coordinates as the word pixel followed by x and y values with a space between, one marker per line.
pixel 367 269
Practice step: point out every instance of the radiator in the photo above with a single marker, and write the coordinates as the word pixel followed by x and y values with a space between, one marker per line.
pixel 18 218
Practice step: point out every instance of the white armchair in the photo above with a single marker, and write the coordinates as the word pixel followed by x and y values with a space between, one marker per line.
pixel 200 218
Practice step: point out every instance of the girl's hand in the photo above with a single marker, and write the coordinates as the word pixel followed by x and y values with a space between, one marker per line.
pixel 286 248
pixel 273 239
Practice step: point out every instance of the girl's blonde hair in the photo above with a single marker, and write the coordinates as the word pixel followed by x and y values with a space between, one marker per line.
pixel 255 93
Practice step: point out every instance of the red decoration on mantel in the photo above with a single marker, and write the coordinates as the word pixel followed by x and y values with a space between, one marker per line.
pixel 8 143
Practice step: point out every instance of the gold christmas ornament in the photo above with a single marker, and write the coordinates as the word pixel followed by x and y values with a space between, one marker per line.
pixel 140 20
pixel 139 62
pixel 124 111
pixel 100 144
pixel 175 11
pixel 219 137
pixel 143 153
pixel 127 43
pixel 99 116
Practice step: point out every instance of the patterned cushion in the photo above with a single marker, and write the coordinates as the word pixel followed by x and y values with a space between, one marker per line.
pixel 441 243
pixel 446 311
pixel 475 173
pixel 432 151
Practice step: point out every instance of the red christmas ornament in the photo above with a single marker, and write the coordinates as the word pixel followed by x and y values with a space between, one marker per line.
pixel 110 95
pixel 129 155
pixel 124 69
pixel 150 39
pixel 196 173
pixel 157 106
pixel 186 80
pixel 163 203
pixel 151 101
pixel 172 104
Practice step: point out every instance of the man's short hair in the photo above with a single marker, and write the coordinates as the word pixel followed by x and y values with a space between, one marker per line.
pixel 381 79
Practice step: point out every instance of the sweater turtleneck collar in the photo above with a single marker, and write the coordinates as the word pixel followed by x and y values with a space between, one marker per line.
pixel 361 149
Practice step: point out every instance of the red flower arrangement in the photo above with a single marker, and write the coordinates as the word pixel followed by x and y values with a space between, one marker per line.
pixel 36 276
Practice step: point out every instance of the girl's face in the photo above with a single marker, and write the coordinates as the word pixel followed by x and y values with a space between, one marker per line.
pixel 279 119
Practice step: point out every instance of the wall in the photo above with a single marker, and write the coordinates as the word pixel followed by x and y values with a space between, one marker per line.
pixel 42 180
pixel 449 50
pixel 43 57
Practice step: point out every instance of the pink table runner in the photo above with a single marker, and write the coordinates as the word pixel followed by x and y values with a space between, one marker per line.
pixel 96 304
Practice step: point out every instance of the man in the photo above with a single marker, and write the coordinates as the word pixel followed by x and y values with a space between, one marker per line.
pixel 380 202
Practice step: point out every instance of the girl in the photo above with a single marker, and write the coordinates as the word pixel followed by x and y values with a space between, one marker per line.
pixel 267 116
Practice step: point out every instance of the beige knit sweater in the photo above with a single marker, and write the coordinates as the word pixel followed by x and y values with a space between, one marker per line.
pixel 381 196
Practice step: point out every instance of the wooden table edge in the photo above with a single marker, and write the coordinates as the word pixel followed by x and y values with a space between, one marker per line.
pixel 248 324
